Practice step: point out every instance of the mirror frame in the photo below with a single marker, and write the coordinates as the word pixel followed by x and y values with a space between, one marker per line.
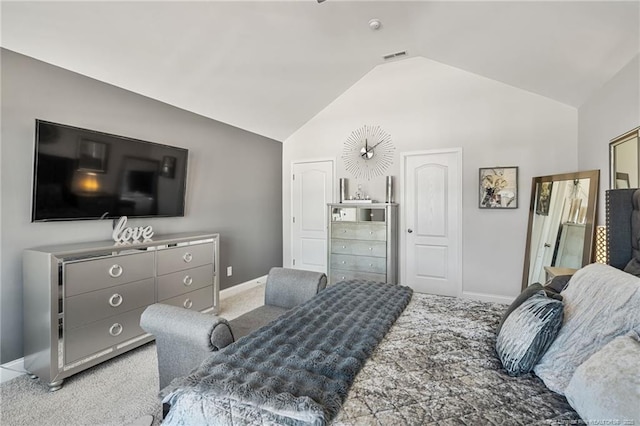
pixel 625 137
pixel 587 250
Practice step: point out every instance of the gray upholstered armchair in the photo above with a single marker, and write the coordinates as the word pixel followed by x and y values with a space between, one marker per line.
pixel 185 338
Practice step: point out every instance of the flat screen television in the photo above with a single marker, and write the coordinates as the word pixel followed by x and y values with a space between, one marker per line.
pixel 84 174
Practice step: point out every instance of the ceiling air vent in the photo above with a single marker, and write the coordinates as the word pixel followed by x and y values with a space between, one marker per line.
pixel 395 55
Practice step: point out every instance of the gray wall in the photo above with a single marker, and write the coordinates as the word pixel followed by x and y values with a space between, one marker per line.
pixel 234 183
pixel 610 112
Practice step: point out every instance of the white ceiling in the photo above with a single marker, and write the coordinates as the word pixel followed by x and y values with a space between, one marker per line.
pixel 270 66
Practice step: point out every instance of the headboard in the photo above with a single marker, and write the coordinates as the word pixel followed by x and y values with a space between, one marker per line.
pixel 623 228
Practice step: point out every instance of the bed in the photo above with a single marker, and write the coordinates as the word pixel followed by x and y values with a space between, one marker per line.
pixel 437 363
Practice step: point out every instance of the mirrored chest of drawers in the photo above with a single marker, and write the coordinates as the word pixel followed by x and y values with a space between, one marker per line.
pixel 82 302
pixel 363 242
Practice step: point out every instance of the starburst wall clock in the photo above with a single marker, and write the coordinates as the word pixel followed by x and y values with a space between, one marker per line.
pixel 368 152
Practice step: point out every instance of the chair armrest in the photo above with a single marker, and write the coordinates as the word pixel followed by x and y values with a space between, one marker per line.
pixel 206 331
pixel 288 288
pixel 184 338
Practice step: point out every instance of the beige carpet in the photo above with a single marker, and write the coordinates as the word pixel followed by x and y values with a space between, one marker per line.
pixel 116 392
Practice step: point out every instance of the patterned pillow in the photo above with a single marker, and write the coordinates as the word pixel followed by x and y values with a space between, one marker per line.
pixel 526 293
pixel 528 332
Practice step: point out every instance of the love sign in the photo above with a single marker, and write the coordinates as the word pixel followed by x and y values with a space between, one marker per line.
pixel 123 235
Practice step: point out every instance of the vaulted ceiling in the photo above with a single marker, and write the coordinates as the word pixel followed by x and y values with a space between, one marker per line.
pixel 270 66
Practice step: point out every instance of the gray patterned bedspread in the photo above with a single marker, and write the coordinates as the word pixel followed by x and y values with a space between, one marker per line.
pixel 437 366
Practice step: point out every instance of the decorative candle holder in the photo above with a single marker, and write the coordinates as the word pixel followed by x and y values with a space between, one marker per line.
pixel 343 190
pixel 389 189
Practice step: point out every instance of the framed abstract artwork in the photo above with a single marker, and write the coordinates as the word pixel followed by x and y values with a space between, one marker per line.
pixel 498 188
pixel 543 198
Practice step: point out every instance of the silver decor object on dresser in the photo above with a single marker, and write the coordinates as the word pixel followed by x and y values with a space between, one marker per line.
pixel 389 190
pixel 82 302
pixel 343 190
pixel 363 242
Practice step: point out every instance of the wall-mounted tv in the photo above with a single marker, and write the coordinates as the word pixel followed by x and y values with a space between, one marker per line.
pixel 85 174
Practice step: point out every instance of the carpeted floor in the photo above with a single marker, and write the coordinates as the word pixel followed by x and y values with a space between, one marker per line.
pixel 116 392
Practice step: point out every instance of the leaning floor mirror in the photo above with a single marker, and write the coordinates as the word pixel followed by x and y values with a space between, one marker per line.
pixel 624 159
pixel 560 233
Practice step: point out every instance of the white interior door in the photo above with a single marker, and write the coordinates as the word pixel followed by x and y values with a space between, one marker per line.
pixel 432 234
pixel 311 190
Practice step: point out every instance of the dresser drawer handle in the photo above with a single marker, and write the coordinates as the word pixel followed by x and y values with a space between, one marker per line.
pixel 344 262
pixel 115 300
pixel 344 247
pixel 187 280
pixel 187 257
pixel 187 303
pixel 370 248
pixel 115 271
pixel 116 329
pixel 370 232
pixel 371 264
pixel 344 231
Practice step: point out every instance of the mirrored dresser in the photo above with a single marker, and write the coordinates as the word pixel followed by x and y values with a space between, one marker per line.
pixel 82 302
pixel 363 242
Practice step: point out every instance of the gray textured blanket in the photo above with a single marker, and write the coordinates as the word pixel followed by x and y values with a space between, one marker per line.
pixel 437 366
pixel 296 370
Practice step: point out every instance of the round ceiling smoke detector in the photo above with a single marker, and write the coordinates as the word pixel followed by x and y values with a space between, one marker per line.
pixel 375 24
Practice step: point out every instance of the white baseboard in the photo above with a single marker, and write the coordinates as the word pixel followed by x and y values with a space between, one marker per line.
pixel 239 288
pixel 483 297
pixel 16 364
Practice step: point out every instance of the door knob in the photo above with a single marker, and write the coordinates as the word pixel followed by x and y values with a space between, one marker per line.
pixel 410 230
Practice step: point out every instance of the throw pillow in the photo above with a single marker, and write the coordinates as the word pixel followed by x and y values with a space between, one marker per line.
pixel 601 304
pixel 607 385
pixel 528 332
pixel 558 283
pixel 526 293
pixel 633 267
